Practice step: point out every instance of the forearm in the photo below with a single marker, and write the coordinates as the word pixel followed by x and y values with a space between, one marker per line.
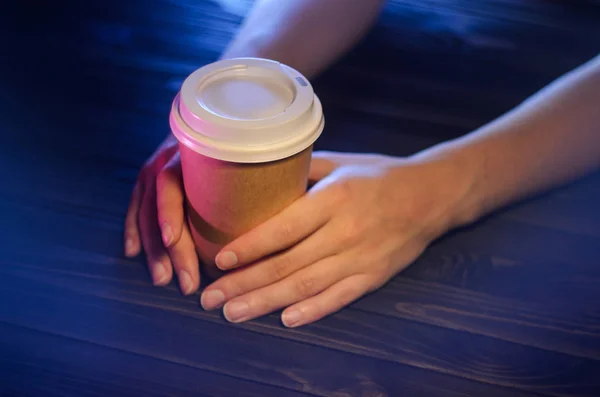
pixel 306 34
pixel 552 138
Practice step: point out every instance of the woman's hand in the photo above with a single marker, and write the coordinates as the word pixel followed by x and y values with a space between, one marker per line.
pixel 367 218
pixel 156 221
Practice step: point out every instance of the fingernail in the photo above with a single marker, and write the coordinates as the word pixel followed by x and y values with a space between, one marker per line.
pixel 129 247
pixel 236 312
pixel 226 260
pixel 292 318
pixel 167 234
pixel 212 299
pixel 185 282
pixel 159 275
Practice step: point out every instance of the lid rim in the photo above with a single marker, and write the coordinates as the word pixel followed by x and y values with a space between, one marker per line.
pixel 240 153
pixel 267 139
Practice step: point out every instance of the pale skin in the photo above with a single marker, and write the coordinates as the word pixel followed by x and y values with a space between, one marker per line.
pixel 371 215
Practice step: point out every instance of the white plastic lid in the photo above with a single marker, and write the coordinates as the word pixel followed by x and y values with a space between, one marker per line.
pixel 247 110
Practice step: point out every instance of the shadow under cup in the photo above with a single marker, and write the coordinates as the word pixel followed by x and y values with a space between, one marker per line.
pixel 246 129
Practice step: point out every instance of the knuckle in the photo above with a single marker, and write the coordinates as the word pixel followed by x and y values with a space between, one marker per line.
pixel 352 229
pixel 317 310
pixel 258 305
pixel 344 190
pixel 339 194
pixel 375 281
pixel 305 286
pixel 281 266
pixel 349 293
pixel 231 287
pixel 358 287
pixel 285 231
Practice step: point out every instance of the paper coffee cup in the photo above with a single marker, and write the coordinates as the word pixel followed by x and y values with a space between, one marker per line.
pixel 246 128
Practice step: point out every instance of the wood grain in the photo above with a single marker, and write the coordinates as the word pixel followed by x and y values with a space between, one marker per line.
pixel 364 332
pixel 506 307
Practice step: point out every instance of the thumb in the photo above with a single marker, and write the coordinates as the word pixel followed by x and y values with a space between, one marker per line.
pixel 320 167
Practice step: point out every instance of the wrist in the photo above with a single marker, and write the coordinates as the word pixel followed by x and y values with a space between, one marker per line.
pixel 458 175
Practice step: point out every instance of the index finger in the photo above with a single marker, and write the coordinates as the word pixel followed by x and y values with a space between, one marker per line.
pixel 170 201
pixel 302 218
pixel 132 234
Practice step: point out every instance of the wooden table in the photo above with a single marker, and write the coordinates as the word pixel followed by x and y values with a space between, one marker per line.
pixel 507 307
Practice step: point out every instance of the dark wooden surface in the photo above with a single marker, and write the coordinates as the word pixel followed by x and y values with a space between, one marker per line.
pixel 507 307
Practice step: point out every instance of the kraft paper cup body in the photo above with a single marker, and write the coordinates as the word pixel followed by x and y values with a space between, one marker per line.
pixel 246 128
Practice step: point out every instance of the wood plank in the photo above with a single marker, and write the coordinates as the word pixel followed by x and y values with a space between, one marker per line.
pixel 214 346
pixel 565 328
pixel 366 334
pixel 506 307
pixel 33 361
